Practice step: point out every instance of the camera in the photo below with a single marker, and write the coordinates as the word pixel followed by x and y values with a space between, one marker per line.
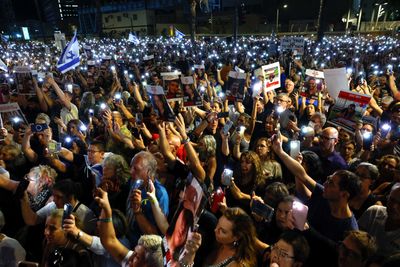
pixel 40 127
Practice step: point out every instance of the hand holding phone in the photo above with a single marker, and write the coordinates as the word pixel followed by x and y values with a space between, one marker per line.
pixel 226 177
pixel 299 212
pixel 67 211
pixel 263 210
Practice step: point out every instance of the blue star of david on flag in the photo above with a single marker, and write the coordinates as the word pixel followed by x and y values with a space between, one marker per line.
pixel 70 56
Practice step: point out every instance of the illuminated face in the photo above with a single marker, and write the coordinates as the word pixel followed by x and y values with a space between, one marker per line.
pixel 53 232
pixel 282 213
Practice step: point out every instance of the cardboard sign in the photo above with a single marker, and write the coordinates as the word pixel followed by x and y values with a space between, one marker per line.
pixel 293 43
pixel 348 110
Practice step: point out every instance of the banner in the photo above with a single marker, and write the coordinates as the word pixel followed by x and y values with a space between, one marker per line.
pixel 191 97
pixel 160 103
pixel 348 110
pixel 235 86
pixel 293 44
pixel 315 73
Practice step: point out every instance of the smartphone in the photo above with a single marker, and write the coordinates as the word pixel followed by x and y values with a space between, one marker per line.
pixel 91 112
pixel 67 211
pixel 217 198
pixel 138 184
pixel 385 129
pixel 222 115
pixel 40 127
pixel 299 211
pixel 240 130
pixel 28 264
pixel 139 118
pixel 294 148
pixel 228 125
pixel 263 210
pixel 226 177
pixel 367 140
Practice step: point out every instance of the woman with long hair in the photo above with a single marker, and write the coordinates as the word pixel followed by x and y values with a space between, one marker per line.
pixel 270 167
pixel 248 178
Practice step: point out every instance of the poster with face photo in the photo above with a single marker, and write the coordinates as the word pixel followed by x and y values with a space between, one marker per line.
pixel 10 114
pixel 160 103
pixel 235 86
pixel 199 70
pixel 172 85
pixel 348 110
pixel 191 96
pixel 183 223
pixel 272 76
pixel 23 79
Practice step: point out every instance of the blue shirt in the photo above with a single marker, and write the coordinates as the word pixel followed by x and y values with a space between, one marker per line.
pixel 320 217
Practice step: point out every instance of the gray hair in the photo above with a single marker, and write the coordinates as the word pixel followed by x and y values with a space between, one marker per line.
pixel 120 165
pixel 153 251
pixel 150 160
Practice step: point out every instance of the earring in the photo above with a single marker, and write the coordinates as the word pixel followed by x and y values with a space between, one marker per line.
pixel 235 243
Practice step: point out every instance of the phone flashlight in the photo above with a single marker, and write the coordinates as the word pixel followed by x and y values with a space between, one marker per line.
pixel 103 106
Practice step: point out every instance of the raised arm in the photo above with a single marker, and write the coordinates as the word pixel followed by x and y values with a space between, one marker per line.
pixel 293 165
pixel 106 229
pixel 195 164
pixel 64 100
pixel 164 146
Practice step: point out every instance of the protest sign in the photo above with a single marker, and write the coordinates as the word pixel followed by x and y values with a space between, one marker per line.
pixel 23 79
pixel 293 43
pixel 172 85
pixel 315 73
pixel 191 96
pixel 272 76
pixel 184 222
pixel 11 114
pixel 336 81
pixel 235 86
pixel 348 110
pixel 160 103
pixel 60 41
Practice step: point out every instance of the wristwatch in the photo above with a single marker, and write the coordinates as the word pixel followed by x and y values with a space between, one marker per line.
pixel 79 235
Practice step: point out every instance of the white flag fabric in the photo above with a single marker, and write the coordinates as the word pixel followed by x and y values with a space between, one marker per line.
pixel 179 34
pixel 70 56
pixel 3 66
pixel 133 39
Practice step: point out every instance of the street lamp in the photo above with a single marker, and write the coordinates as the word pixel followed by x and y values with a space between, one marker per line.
pixel 277 16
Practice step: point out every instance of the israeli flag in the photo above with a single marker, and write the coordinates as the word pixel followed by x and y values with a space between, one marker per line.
pixel 179 34
pixel 70 56
pixel 133 38
pixel 3 66
pixel 4 38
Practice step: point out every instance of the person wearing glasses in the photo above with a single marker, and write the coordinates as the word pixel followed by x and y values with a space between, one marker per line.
pixel 291 250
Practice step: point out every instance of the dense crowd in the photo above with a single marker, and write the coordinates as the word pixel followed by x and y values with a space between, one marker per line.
pixel 101 169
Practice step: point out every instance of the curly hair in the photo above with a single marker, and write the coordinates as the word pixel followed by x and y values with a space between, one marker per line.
pixel 257 174
pixel 120 165
pixel 244 229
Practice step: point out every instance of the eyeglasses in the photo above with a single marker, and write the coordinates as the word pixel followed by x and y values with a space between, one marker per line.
pixel 281 253
pixel 327 138
pixel 348 253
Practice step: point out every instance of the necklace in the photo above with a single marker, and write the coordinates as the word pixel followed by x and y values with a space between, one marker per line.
pixel 223 263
